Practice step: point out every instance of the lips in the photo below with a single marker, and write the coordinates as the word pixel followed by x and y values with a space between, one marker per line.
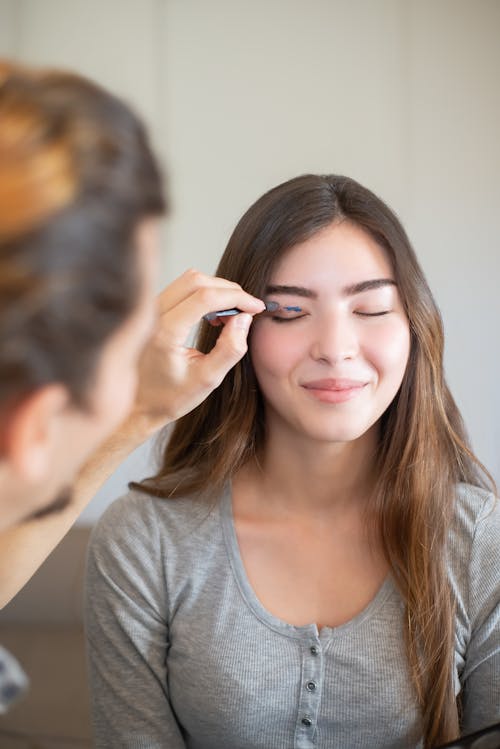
pixel 334 390
pixel 334 384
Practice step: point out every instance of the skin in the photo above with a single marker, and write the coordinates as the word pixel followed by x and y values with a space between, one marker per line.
pixel 146 377
pixel 327 376
pixel 49 437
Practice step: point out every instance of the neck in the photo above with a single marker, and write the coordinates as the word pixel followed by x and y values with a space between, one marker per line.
pixel 300 476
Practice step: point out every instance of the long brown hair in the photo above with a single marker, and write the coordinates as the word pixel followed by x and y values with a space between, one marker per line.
pixel 423 450
pixel 77 175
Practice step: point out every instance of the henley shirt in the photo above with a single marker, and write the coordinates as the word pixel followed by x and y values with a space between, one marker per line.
pixel 183 655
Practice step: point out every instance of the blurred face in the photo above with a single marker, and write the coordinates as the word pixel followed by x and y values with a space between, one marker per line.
pixel 75 433
pixel 113 394
pixel 329 371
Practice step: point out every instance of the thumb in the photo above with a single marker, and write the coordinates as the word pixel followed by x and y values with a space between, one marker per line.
pixel 231 346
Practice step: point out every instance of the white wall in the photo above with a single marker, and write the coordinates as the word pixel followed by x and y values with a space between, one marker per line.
pixel 402 95
pixel 8 35
pixel 454 215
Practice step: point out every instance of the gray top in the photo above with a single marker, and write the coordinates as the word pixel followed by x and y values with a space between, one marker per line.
pixel 13 680
pixel 182 653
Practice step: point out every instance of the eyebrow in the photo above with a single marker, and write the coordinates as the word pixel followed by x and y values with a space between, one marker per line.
pixel 356 288
pixel 291 291
pixel 375 283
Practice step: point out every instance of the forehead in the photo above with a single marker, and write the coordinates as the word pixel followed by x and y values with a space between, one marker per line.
pixel 341 251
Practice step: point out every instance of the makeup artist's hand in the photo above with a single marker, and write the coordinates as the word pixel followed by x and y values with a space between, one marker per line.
pixel 174 378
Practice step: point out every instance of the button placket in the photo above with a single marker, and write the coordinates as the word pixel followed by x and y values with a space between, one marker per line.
pixel 310 694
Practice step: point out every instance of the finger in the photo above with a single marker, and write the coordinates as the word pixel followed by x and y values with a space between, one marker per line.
pixel 179 321
pixel 186 284
pixel 231 346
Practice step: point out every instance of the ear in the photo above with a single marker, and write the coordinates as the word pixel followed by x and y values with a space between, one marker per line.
pixel 31 435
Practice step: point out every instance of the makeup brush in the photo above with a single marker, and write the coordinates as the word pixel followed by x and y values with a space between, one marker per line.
pixel 214 317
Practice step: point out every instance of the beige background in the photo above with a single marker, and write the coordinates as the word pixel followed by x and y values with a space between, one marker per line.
pixel 400 94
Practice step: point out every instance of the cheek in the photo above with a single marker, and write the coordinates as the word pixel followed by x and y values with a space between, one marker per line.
pixel 116 398
pixel 273 351
pixel 389 349
pixel 110 405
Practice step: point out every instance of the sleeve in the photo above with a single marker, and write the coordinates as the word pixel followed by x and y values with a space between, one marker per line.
pixel 127 632
pixel 481 678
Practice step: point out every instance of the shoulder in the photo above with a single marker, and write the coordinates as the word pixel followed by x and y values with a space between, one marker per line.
pixel 476 517
pixel 146 548
pixel 474 550
pixel 137 521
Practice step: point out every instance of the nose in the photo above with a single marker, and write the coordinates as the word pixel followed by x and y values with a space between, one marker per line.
pixel 335 339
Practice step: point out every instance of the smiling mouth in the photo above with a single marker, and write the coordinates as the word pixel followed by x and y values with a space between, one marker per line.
pixel 334 390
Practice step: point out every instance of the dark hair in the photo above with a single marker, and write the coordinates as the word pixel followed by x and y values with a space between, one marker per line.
pixel 423 450
pixel 77 175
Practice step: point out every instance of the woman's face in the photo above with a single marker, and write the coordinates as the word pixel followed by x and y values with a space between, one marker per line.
pixel 330 371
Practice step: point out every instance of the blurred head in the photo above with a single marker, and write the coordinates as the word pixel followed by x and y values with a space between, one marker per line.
pixel 80 195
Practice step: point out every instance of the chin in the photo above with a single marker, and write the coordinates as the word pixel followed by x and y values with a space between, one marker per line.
pixel 332 434
pixel 340 437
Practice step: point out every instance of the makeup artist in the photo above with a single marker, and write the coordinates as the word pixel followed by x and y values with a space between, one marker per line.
pixel 90 364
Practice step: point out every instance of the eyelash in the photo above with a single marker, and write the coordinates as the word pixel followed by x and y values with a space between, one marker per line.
pixel 373 314
pixel 360 314
pixel 286 319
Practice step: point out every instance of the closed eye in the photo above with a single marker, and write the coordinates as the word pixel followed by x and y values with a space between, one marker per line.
pixel 372 314
pixel 286 319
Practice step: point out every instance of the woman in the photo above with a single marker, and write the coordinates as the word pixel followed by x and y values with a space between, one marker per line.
pixel 340 589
